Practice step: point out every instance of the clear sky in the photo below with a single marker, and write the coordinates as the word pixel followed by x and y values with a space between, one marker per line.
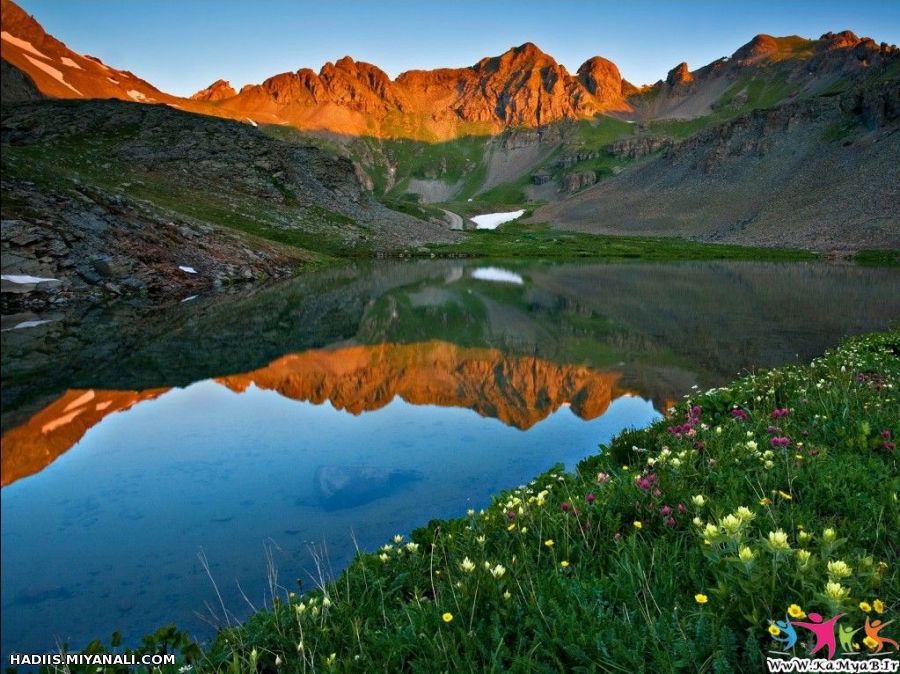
pixel 183 45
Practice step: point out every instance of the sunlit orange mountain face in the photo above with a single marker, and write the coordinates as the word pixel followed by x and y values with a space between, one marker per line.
pixel 50 433
pixel 518 390
pixel 522 88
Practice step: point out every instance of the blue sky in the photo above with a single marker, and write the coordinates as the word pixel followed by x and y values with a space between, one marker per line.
pixel 183 45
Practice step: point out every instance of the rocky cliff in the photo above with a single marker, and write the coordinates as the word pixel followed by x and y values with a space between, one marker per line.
pixel 819 173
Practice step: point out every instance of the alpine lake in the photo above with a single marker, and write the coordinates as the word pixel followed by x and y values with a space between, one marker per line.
pixel 186 463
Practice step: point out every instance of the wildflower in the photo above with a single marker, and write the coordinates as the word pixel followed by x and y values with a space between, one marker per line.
pixel 744 514
pixel 804 537
pixel 699 500
pixel 498 571
pixel 829 535
pixel 870 643
pixel 795 611
pixel 765 501
pixel 384 557
pixel 590 498
pixel 387 547
pixel 779 541
pixel 480 540
pixel 300 647
pixel 865 607
pixel 638 524
pixel 878 605
pixel 731 524
pixel 277 661
pixel 603 478
pixel 549 543
pixel 745 554
pixel 467 565
pixel 326 602
pixel 780 441
pixel 330 659
pixel 839 569
pixel 506 595
pixel 701 598
pixel 803 556
pixel 751 445
pixel 785 495
pixel 711 530
pixel 836 591
pixel 470 512
pixel 671 522
pixel 774 631
pixel 398 539
pixel 769 465
pixel 412 547
pixel 447 617
pixel 665 511
pixel 511 527
pixel 564 564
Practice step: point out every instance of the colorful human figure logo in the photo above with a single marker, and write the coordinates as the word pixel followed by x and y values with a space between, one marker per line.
pixel 790 634
pixel 823 631
pixel 828 634
pixel 872 631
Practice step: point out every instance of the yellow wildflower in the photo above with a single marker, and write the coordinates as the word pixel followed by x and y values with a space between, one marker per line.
pixel 731 524
pixel 839 569
pixel 829 535
pixel 785 495
pixel 765 501
pixel 638 524
pixel 549 543
pixel 564 564
pixel 836 591
pixel 779 540
pixel 878 605
pixel 865 607
pixel 774 631
pixel 698 500
pixel 745 514
pixel 745 554
pixel 511 527
pixel 701 598
pixel 498 571
pixel 447 617
pixel 467 565
pixel 795 611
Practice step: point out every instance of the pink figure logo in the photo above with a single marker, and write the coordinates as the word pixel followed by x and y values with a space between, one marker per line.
pixel 824 631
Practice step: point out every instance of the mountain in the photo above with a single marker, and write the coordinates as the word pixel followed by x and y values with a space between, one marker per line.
pixel 111 198
pixel 59 72
pixel 818 173
pixel 765 71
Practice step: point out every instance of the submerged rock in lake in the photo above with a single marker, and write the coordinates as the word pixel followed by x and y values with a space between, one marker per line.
pixel 340 487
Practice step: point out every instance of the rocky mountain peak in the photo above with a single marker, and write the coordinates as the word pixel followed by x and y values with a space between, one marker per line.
pixel 217 91
pixel 601 78
pixel 679 75
pixel 760 47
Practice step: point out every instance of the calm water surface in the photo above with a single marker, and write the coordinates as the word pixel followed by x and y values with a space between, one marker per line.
pixel 297 422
